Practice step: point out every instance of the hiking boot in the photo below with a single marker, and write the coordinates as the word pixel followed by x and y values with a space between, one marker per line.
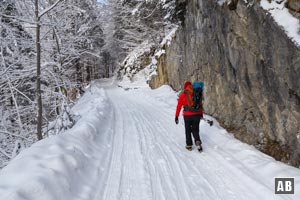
pixel 198 146
pixel 190 148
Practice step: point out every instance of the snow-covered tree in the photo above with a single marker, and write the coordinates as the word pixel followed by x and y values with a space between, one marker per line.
pixel 71 39
pixel 132 23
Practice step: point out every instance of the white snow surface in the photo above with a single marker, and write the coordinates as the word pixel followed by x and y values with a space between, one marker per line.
pixel 127 146
pixel 284 18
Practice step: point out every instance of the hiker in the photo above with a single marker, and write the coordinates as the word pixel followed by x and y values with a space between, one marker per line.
pixel 191 116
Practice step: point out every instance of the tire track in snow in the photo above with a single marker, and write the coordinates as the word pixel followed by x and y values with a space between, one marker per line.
pixel 162 160
pixel 131 148
pixel 155 181
pixel 162 169
pixel 130 179
pixel 110 191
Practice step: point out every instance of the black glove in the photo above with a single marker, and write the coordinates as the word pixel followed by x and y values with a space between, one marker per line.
pixel 176 120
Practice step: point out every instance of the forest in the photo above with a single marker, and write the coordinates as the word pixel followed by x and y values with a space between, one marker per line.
pixel 50 52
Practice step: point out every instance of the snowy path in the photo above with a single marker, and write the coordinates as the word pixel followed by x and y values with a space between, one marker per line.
pixel 127 147
pixel 149 160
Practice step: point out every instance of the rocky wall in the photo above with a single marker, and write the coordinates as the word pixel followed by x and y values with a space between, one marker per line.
pixel 251 71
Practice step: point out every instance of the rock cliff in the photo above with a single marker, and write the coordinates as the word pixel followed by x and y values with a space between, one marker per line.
pixel 251 70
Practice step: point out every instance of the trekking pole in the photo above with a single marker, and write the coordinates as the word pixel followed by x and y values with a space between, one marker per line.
pixel 210 122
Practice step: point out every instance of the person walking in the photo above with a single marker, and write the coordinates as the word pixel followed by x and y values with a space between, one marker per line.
pixel 191 116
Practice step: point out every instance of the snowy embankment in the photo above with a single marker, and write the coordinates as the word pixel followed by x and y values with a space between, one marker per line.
pixel 127 146
pixel 62 167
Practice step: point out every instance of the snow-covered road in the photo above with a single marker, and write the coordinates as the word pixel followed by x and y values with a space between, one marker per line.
pixel 128 147
pixel 149 160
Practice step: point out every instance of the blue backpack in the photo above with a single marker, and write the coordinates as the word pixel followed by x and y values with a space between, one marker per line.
pixel 198 95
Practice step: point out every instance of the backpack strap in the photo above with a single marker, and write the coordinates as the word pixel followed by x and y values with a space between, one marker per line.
pixel 189 95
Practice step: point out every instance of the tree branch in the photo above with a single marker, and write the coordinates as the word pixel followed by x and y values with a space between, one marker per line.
pixel 50 8
pixel 15 101
pixel 4 153
pixel 19 19
pixel 19 136
pixel 23 94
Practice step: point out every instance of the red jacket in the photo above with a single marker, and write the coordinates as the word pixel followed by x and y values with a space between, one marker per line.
pixel 182 101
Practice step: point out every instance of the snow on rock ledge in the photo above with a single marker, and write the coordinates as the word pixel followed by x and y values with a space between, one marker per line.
pixel 283 18
pixel 142 61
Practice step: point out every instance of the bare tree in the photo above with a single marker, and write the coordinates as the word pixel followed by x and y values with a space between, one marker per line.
pixel 38 73
pixel 46 47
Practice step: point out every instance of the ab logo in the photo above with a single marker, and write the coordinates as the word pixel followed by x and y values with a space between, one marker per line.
pixel 284 185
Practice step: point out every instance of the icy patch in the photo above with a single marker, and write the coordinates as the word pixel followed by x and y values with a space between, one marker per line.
pixel 284 19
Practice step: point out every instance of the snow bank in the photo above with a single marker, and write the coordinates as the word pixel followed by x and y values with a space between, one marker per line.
pixel 60 167
pixel 283 18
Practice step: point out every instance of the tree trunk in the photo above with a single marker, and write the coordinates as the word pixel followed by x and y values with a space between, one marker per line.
pixel 38 73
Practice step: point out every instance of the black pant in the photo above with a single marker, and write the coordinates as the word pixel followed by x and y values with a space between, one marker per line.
pixel 192 126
